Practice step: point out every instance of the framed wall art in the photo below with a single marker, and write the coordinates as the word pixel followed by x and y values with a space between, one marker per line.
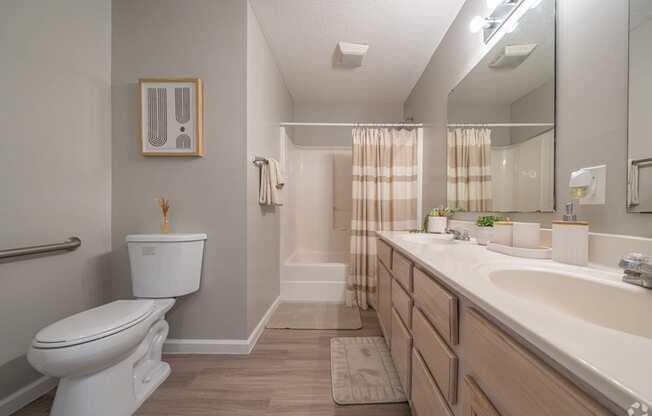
pixel 171 117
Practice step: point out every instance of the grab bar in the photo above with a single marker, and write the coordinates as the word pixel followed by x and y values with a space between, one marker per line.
pixel 70 244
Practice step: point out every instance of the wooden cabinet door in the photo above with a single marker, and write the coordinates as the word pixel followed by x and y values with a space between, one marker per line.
pixel 475 401
pixel 385 302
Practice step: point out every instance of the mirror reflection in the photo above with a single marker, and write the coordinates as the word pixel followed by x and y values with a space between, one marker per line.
pixel 639 195
pixel 501 122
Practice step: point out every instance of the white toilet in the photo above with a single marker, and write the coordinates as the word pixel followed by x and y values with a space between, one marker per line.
pixel 109 358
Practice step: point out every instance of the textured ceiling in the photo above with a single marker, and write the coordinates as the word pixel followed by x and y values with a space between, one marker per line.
pixel 402 35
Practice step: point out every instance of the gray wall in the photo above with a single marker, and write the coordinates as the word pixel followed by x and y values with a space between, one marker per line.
pixel 193 38
pixel 339 113
pixel 268 103
pixel 591 105
pixel 538 106
pixel 55 165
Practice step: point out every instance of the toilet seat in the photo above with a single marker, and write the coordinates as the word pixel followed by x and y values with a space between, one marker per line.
pixel 94 324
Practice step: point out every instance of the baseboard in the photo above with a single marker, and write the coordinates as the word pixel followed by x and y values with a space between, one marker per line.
pixel 220 346
pixel 258 330
pixel 26 395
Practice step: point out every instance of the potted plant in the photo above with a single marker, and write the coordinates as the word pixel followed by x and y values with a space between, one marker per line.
pixel 485 228
pixel 437 220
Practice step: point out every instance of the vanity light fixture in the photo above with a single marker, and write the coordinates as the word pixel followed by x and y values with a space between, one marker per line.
pixel 478 23
pixel 500 11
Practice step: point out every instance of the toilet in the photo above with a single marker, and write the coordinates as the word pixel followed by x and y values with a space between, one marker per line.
pixel 108 359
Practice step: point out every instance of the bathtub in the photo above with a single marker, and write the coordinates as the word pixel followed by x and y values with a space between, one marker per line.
pixel 314 277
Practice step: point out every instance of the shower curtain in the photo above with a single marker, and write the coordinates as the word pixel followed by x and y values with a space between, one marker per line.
pixel 384 198
pixel 469 169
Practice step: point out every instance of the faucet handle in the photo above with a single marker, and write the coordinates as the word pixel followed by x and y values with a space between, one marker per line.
pixel 636 262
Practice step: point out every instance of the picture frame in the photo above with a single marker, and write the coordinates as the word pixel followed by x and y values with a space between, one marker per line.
pixel 171 117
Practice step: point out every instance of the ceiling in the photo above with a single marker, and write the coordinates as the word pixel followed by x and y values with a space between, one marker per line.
pixel 484 85
pixel 402 35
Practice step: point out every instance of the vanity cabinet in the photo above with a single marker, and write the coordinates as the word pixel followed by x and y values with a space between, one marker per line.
pixel 516 381
pixel 401 350
pixel 476 402
pixel 452 360
pixel 384 279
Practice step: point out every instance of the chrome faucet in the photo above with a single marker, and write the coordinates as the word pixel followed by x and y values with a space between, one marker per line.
pixel 461 236
pixel 638 269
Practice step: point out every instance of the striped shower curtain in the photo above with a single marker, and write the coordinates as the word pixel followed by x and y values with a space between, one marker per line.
pixel 384 198
pixel 469 169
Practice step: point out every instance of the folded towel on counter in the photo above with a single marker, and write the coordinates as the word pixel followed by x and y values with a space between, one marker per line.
pixel 271 183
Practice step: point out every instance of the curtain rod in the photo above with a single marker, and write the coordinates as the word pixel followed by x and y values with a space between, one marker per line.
pixel 504 125
pixel 292 123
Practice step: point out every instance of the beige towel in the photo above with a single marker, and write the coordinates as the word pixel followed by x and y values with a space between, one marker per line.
pixel 271 182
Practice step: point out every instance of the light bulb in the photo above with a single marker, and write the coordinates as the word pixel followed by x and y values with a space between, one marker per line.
pixel 477 23
pixel 492 4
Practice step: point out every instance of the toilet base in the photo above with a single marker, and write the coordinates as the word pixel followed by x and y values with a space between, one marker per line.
pixel 118 390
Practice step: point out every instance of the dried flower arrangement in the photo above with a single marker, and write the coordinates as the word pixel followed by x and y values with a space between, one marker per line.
pixel 165 208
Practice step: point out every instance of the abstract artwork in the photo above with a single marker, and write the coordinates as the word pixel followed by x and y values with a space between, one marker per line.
pixel 171 117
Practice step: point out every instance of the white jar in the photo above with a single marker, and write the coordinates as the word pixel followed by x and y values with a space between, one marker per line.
pixel 437 224
pixel 502 233
pixel 526 234
pixel 484 235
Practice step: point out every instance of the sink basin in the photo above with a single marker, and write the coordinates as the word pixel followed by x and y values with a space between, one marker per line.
pixel 612 305
pixel 422 238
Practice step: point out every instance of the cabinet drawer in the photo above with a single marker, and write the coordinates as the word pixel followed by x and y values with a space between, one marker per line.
pixel 438 357
pixel 475 401
pixel 402 302
pixel 401 350
pixel 384 253
pixel 516 381
pixel 402 270
pixel 385 301
pixel 426 398
pixel 437 304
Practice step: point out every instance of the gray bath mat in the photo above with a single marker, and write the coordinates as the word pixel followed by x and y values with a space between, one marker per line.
pixel 315 316
pixel 363 373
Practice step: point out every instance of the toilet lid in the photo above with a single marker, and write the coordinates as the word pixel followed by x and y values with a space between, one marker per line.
pixel 94 323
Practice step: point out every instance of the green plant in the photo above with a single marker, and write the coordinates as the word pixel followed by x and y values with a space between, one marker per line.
pixel 488 220
pixel 443 212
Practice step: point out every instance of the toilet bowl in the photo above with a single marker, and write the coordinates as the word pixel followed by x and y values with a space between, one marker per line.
pixel 108 358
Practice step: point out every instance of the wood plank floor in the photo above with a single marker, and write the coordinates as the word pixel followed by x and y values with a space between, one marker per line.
pixel 288 373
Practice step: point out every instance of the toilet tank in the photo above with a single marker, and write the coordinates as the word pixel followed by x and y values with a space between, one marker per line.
pixel 165 265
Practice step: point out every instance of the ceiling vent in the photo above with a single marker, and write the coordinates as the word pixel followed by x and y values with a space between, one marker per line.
pixel 512 56
pixel 350 55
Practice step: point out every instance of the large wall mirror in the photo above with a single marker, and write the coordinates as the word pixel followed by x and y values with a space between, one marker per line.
pixel 501 121
pixel 639 183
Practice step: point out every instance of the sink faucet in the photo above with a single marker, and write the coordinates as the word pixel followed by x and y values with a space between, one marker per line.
pixel 638 269
pixel 461 236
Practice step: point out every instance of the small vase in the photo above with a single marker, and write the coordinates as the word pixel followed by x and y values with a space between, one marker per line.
pixel 165 226
pixel 484 235
pixel 437 225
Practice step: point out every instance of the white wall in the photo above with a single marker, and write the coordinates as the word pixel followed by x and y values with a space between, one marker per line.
pixel 268 103
pixel 55 165
pixel 591 105
pixel 311 227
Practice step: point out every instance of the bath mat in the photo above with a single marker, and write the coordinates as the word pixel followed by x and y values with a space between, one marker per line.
pixel 363 373
pixel 315 316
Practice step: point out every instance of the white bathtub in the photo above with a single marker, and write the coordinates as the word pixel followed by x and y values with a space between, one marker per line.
pixel 314 277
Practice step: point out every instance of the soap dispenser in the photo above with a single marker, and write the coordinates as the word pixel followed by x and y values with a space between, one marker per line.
pixel 570 239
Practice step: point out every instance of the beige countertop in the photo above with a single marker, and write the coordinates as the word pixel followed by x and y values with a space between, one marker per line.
pixel 617 364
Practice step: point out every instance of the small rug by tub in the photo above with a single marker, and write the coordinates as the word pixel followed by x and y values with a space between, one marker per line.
pixel 363 373
pixel 293 315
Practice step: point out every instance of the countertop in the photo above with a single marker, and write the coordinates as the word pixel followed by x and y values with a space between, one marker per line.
pixel 615 363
